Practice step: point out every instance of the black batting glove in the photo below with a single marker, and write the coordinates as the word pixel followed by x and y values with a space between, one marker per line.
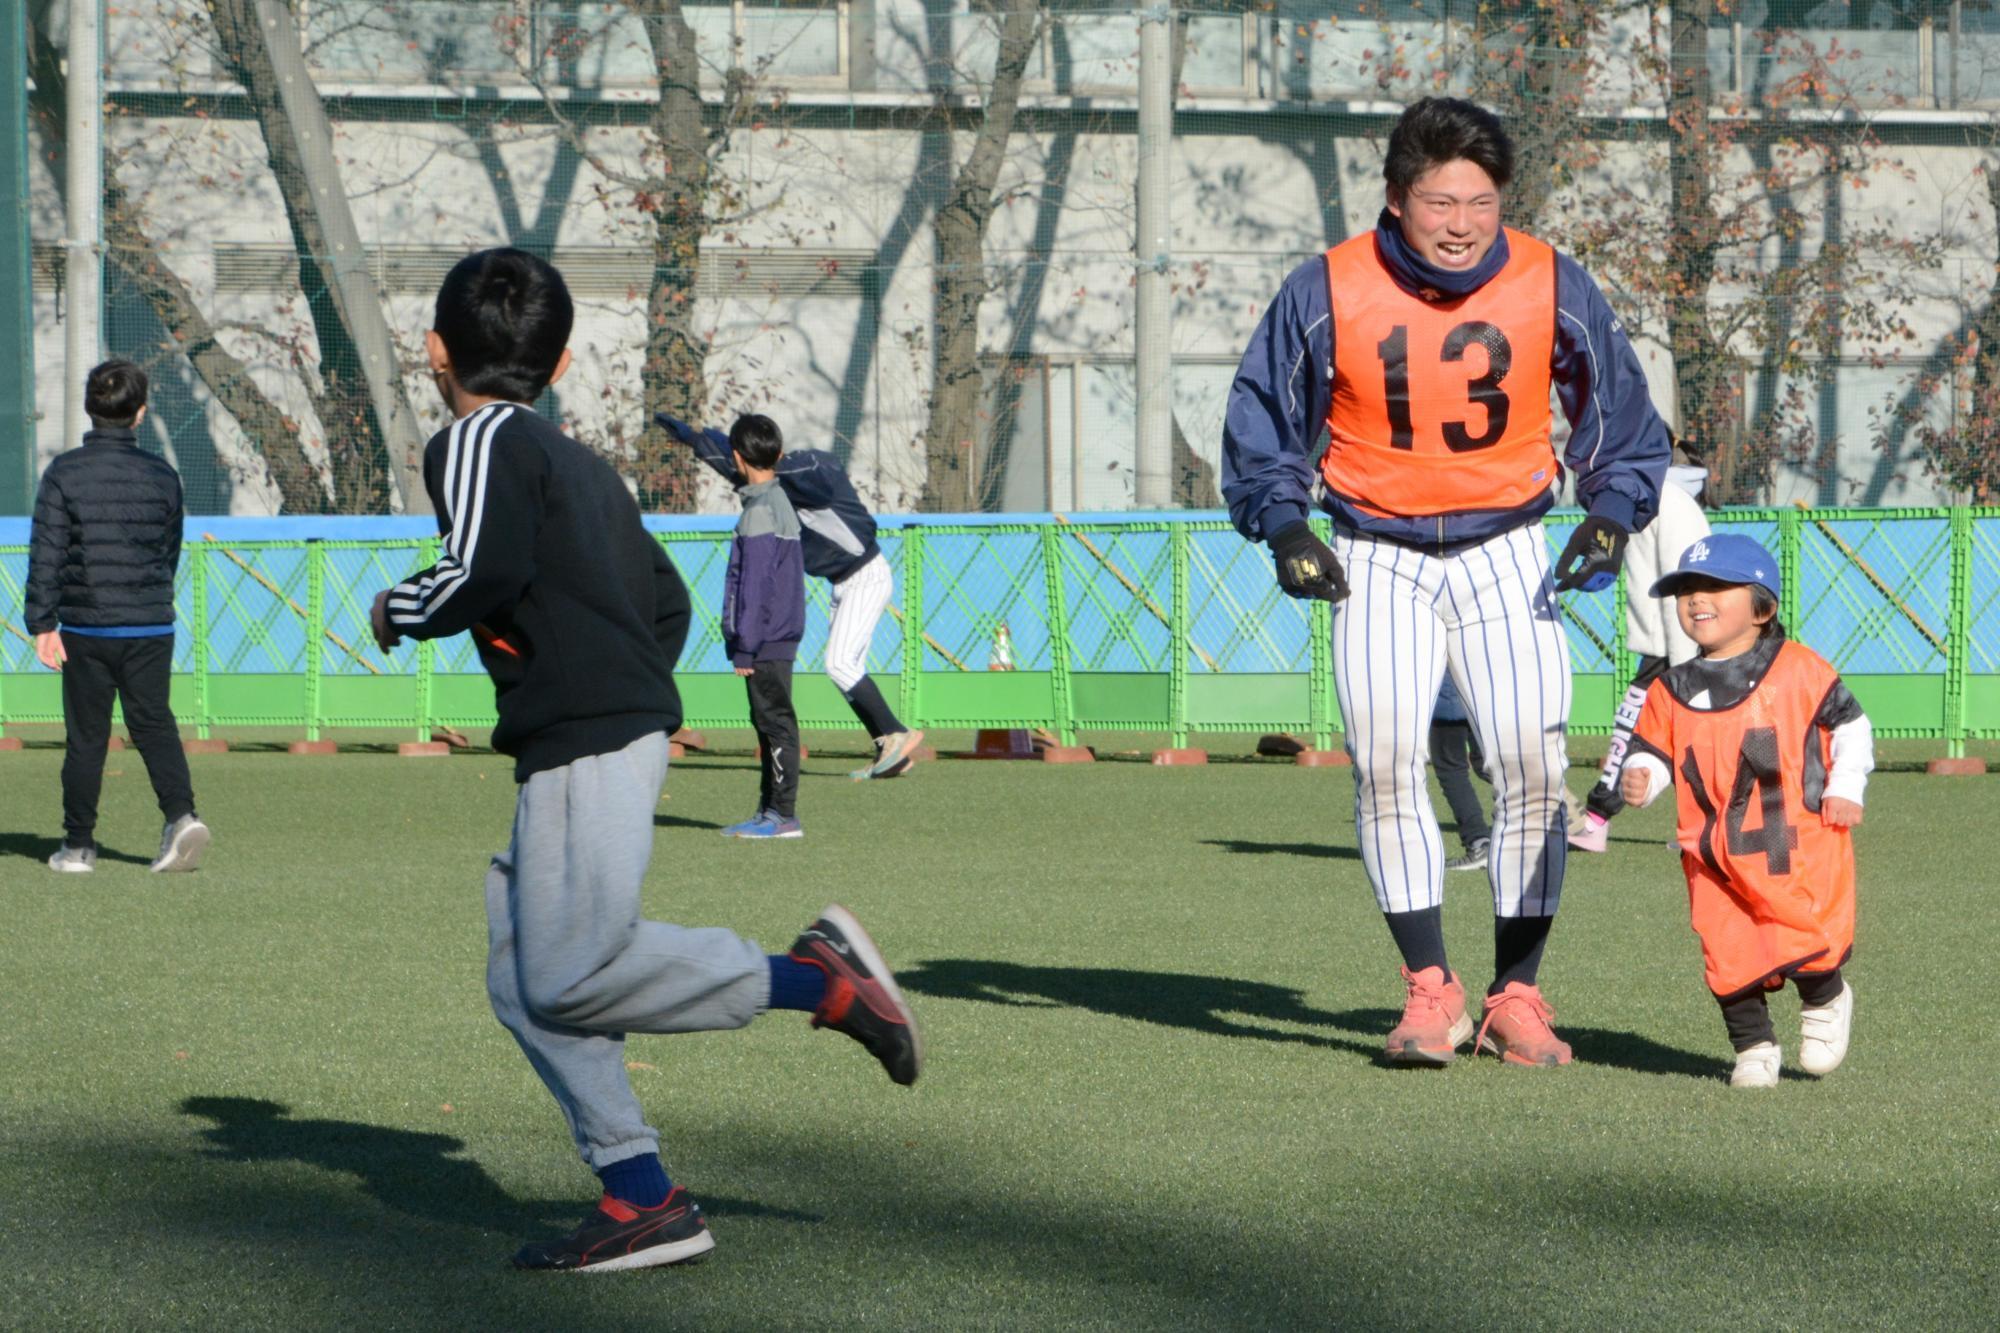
pixel 1306 566
pixel 1591 558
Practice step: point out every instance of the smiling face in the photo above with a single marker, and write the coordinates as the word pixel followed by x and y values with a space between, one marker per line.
pixel 1722 618
pixel 1450 215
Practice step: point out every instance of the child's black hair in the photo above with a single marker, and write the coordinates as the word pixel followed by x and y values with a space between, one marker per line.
pixel 1763 603
pixel 113 394
pixel 505 317
pixel 1437 130
pixel 758 439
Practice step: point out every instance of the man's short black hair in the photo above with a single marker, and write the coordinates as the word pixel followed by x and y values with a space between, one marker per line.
pixel 113 394
pixel 505 317
pixel 758 439
pixel 1437 130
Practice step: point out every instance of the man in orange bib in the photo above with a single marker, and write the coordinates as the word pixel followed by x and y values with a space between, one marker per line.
pixel 1425 353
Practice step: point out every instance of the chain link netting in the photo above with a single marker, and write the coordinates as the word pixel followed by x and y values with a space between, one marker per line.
pixel 768 232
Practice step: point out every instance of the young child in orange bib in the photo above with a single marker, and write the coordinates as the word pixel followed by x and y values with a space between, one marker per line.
pixel 1772 754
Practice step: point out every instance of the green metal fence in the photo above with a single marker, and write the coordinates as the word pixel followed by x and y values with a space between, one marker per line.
pixel 1164 625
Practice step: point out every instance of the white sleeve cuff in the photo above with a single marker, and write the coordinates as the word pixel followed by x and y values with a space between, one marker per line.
pixel 1660 779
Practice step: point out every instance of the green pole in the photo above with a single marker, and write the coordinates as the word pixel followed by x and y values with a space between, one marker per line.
pixel 1319 692
pixel 315 632
pixel 1621 660
pixel 1059 641
pixel 426 659
pixel 1790 524
pixel 17 313
pixel 1958 639
pixel 1178 636
pixel 198 579
pixel 913 625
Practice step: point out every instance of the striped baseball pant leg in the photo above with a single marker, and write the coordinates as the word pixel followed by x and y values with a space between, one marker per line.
pixel 1488 615
pixel 858 602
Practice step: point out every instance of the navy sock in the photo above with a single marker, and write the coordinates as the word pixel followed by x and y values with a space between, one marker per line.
pixel 1517 949
pixel 1419 937
pixel 796 985
pixel 640 1181
pixel 868 704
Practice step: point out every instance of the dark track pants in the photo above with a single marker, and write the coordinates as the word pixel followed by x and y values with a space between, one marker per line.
pixel 771 713
pixel 137 672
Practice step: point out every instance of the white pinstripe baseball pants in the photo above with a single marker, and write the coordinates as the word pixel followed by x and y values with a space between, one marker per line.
pixel 858 600
pixel 1489 613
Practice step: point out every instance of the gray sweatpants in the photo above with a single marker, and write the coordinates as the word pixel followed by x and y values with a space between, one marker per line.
pixel 571 966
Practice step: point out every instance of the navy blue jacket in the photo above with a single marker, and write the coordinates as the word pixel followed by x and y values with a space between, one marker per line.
pixel 1618 446
pixel 764 590
pixel 839 532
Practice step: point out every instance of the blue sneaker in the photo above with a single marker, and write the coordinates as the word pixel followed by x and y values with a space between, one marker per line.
pixel 772 825
pixel 743 829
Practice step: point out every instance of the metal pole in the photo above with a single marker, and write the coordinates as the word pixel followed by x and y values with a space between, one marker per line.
pixel 1152 339
pixel 18 417
pixel 83 255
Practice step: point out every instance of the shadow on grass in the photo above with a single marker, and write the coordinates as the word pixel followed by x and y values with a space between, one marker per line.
pixel 1221 1006
pixel 676 821
pixel 36 847
pixel 1592 1046
pixel 1321 849
pixel 1226 1007
pixel 410 1171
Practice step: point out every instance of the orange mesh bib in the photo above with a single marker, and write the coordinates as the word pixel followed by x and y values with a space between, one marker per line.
pixel 1440 406
pixel 1770 887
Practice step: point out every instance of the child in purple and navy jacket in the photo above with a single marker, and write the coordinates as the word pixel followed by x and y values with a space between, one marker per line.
pixel 763 619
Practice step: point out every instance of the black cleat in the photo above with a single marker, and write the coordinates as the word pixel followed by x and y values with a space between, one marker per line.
pixel 861 995
pixel 617 1236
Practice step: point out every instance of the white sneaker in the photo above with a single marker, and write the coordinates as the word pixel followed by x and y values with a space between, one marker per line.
pixel 181 845
pixel 1823 1033
pixel 896 751
pixel 1757 1067
pixel 74 860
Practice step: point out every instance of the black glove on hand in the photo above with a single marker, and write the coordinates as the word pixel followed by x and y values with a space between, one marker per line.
pixel 1306 567
pixel 677 428
pixel 1591 558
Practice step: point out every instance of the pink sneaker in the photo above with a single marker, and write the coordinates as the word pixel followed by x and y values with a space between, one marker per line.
pixel 1594 836
pixel 1517 1028
pixel 1434 1023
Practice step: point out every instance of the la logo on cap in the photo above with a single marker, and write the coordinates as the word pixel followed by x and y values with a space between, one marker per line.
pixel 1699 553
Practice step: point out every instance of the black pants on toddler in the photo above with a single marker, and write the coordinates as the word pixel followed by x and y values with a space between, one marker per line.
pixel 771 713
pixel 1748 1017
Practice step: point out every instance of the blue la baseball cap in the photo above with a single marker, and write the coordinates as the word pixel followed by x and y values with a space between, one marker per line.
pixel 1726 557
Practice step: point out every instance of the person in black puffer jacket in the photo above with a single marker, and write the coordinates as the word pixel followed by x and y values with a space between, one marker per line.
pixel 100 604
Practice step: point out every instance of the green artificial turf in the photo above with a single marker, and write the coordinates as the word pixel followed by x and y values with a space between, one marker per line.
pixel 271 1093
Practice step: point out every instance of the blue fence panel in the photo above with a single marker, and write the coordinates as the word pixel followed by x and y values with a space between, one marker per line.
pixel 1238 619
pixel 975 582
pixel 1984 620
pixel 1118 588
pixel 1850 620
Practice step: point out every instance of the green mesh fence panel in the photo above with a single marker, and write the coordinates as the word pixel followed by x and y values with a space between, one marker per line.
pixel 1171 627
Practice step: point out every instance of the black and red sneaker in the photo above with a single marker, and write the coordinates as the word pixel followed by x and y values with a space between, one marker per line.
pixel 617 1236
pixel 861 995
